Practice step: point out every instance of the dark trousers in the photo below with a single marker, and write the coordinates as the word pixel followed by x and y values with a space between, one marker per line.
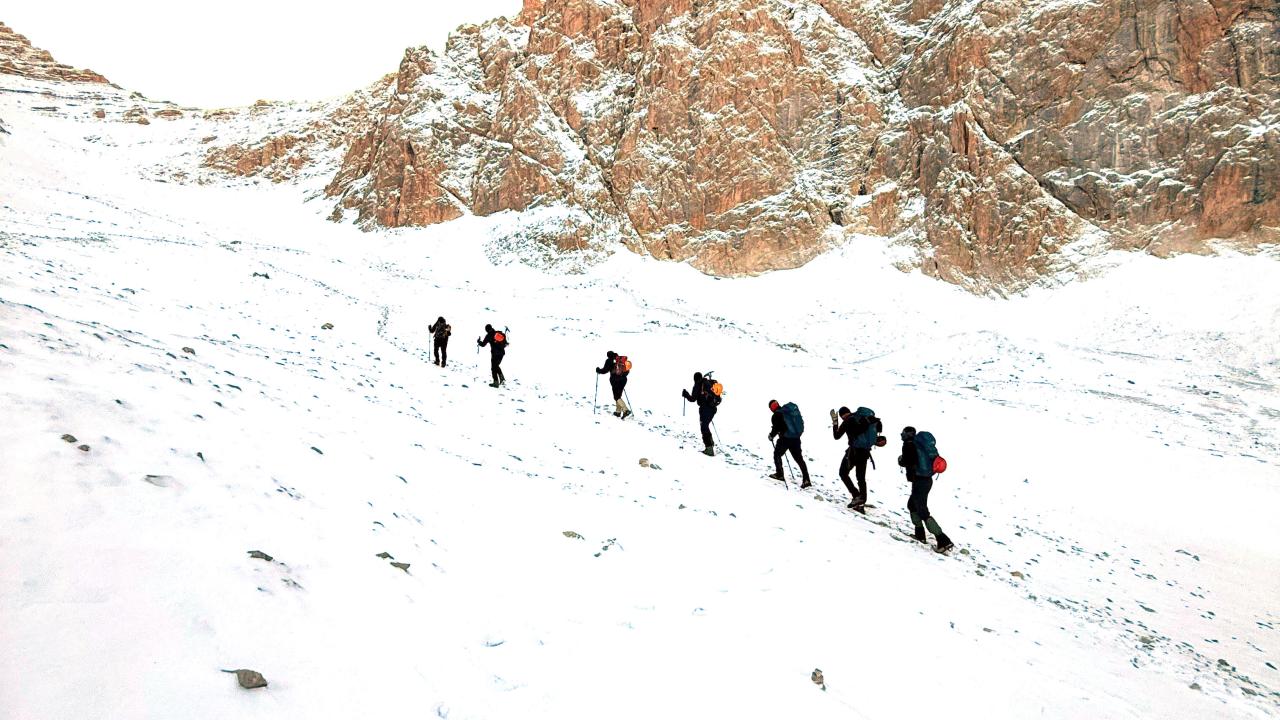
pixel 918 506
pixel 855 459
pixel 441 351
pixel 918 503
pixel 617 383
pixel 706 413
pixel 495 366
pixel 791 445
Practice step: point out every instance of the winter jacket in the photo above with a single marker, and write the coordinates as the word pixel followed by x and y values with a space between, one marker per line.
pixel 851 427
pixel 610 364
pixel 441 331
pixel 497 348
pixel 907 460
pixel 779 425
pixel 702 394
pixel 615 379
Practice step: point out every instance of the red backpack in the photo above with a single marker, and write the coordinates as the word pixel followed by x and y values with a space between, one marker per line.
pixel 621 365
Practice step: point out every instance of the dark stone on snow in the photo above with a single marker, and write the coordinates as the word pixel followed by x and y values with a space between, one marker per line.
pixel 259 555
pixel 69 438
pixel 248 679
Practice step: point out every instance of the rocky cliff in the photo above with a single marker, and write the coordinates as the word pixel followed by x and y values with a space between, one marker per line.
pixel 1000 138
pixel 18 57
pixel 998 141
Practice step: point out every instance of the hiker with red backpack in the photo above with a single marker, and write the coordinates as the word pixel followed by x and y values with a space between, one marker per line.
pixel 497 342
pixel 706 393
pixel 863 429
pixel 788 426
pixel 617 367
pixel 921 461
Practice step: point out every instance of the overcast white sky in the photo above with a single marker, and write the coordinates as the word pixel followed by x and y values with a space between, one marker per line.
pixel 233 52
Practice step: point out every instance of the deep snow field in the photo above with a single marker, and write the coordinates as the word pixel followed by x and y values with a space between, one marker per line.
pixel 1112 441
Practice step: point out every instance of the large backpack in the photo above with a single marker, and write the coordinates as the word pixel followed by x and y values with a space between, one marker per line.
pixel 793 420
pixel 621 365
pixel 867 438
pixel 712 388
pixel 928 461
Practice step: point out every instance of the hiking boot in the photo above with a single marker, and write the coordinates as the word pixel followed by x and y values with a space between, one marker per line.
pixel 920 536
pixel 493 385
pixel 710 451
pixel 944 544
pixel 777 476
pixel 617 414
pixel 852 504
pixel 805 484
pixel 626 414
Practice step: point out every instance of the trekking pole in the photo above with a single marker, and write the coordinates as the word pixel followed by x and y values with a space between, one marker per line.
pixel 627 395
pixel 717 432
pixel 790 470
pixel 595 400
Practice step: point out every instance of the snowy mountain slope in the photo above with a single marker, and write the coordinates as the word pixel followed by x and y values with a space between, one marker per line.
pixel 1113 442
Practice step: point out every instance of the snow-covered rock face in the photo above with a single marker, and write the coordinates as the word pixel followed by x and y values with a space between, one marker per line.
pixel 18 57
pixel 737 134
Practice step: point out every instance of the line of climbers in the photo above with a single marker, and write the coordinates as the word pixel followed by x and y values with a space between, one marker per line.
pixel 919 457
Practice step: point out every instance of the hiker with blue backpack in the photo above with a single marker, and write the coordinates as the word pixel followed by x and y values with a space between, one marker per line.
pixel 863 429
pixel 921 461
pixel 788 426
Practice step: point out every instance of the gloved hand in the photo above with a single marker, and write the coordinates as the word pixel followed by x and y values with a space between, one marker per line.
pixel 834 417
pixel 685 394
pixel 770 437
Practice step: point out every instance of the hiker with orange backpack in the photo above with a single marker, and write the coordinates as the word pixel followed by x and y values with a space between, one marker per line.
pixel 706 393
pixel 921 461
pixel 862 428
pixel 788 425
pixel 617 367
pixel 497 342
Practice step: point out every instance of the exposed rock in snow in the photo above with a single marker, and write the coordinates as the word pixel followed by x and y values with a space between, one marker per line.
pixel 248 679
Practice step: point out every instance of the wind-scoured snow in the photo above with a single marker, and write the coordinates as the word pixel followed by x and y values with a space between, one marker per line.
pixel 1112 485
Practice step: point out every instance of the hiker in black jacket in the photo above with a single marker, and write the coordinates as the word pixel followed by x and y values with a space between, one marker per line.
pixel 497 342
pixel 617 382
pixel 918 503
pixel 707 402
pixel 858 429
pixel 440 332
pixel 786 442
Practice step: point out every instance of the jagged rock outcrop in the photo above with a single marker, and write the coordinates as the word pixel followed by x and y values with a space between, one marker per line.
pixel 18 57
pixel 1001 139
pixel 327 133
